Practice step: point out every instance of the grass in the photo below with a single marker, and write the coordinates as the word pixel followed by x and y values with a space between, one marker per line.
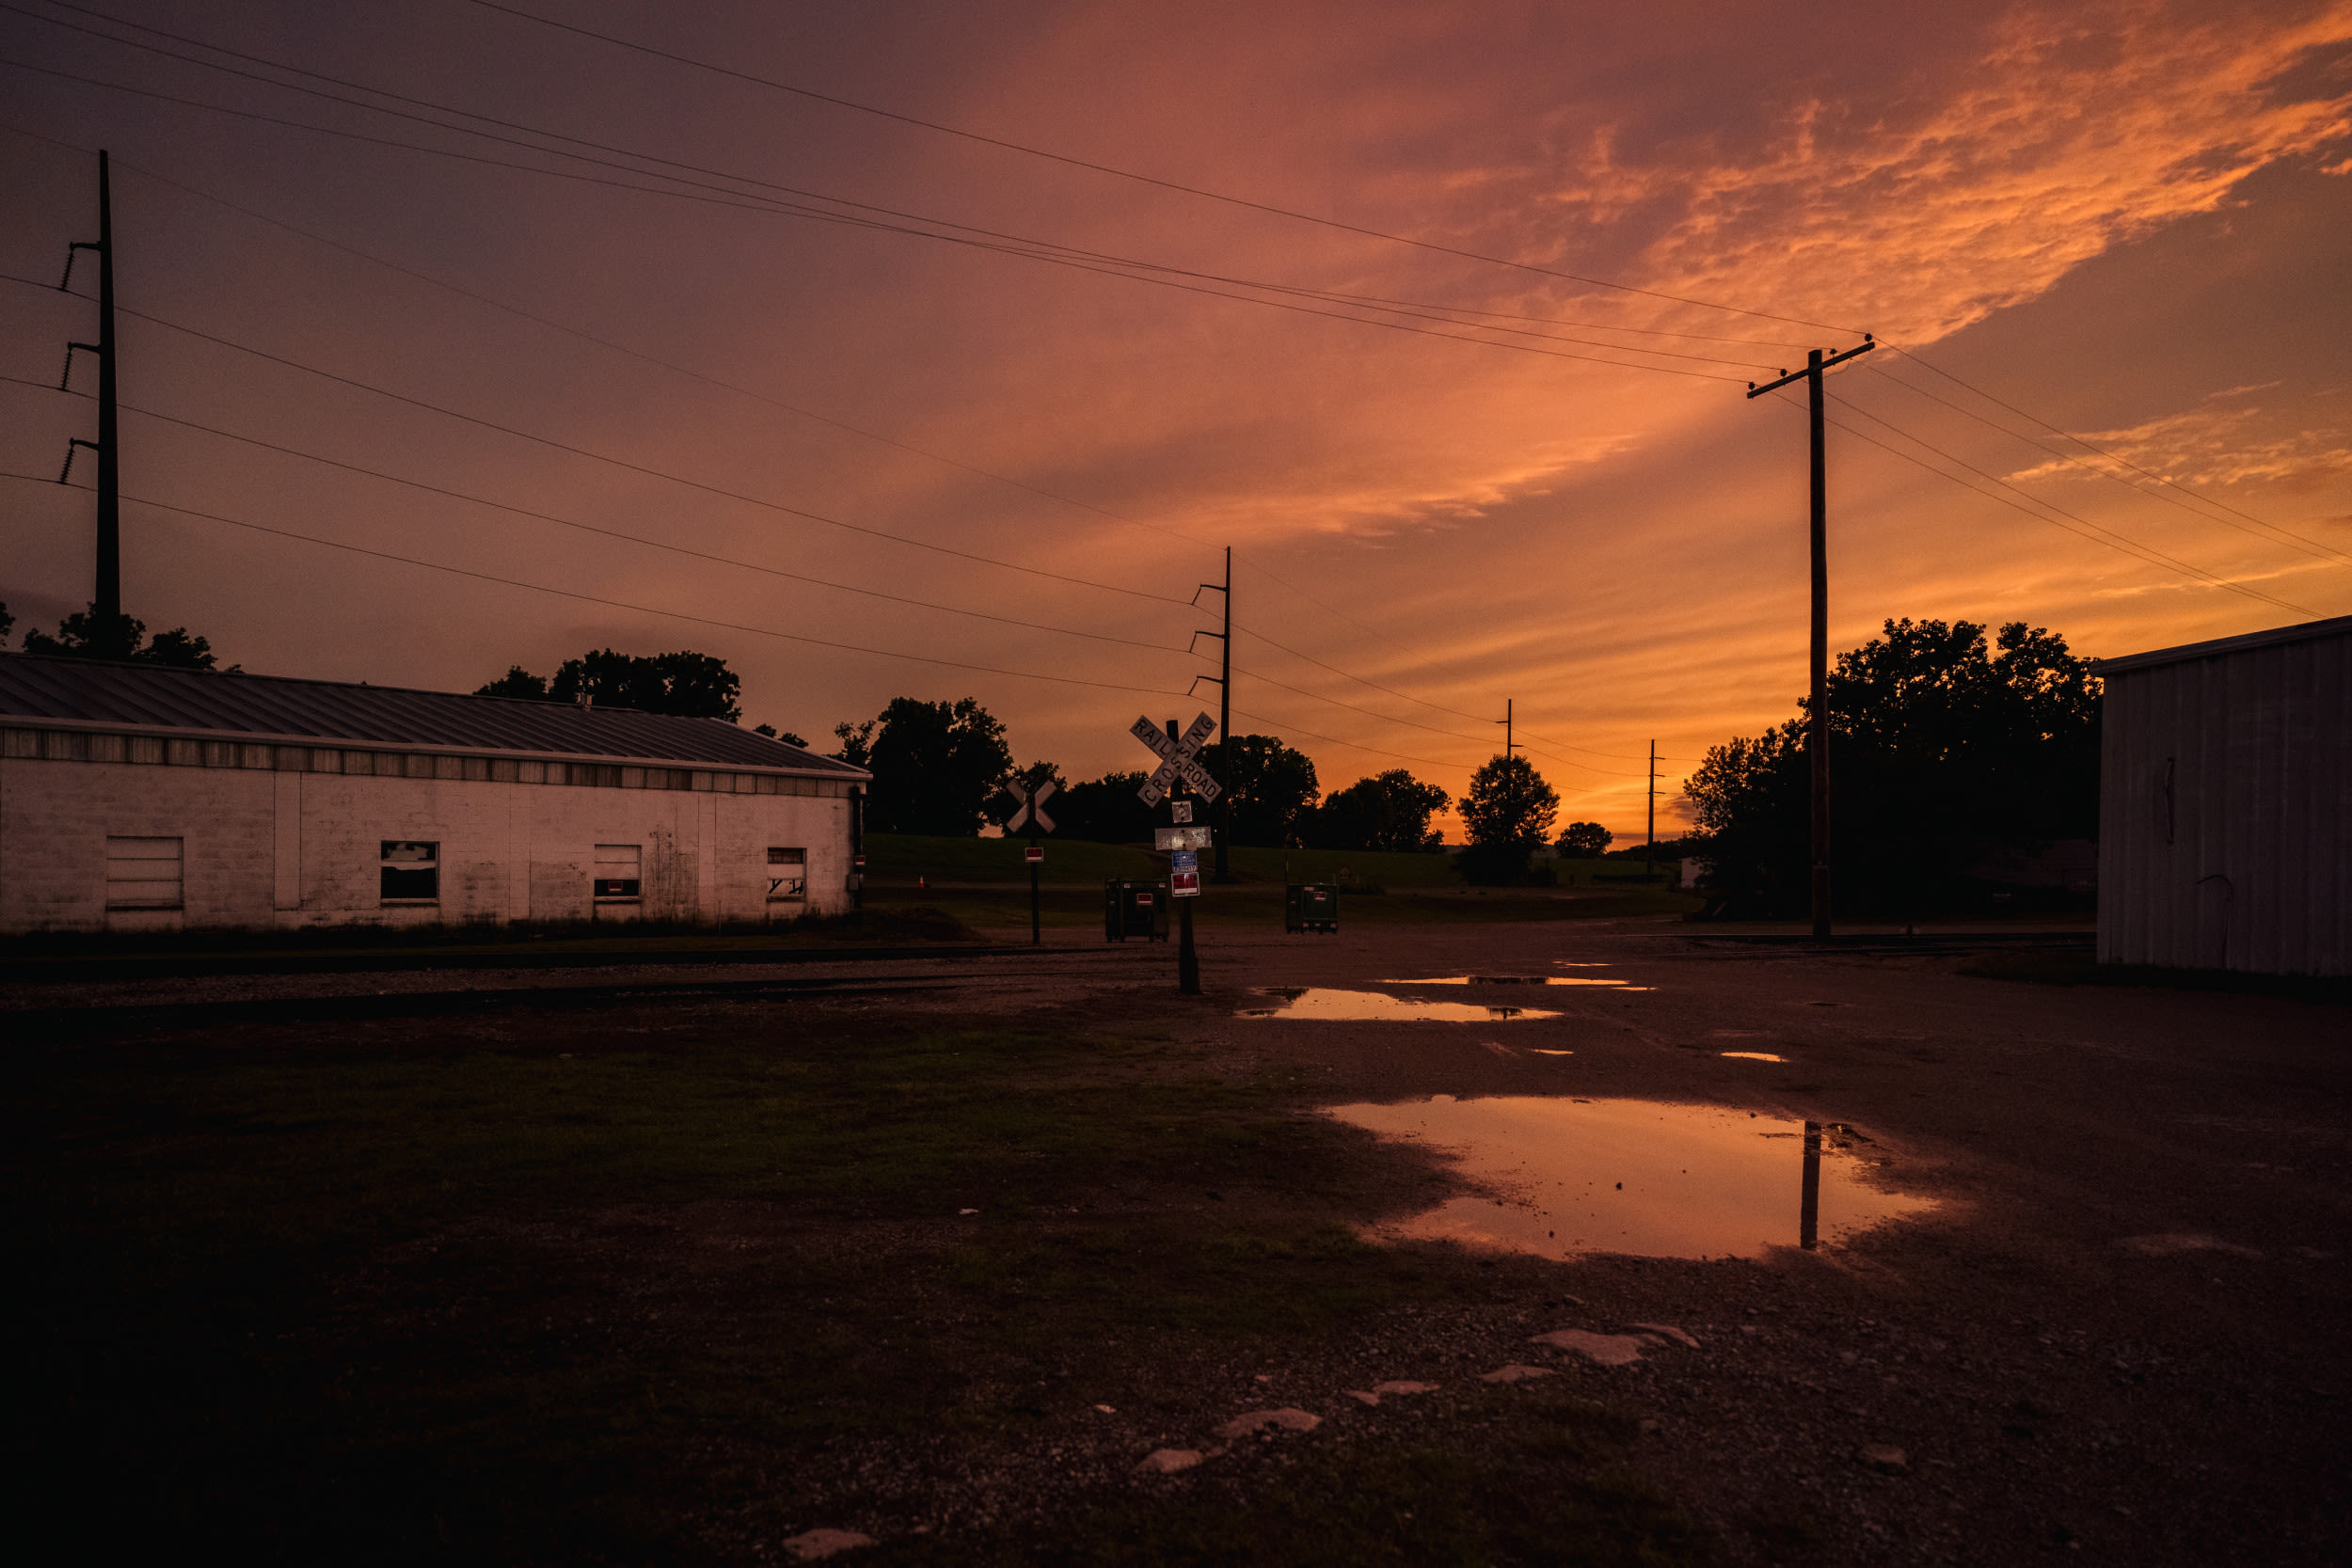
pixel 636 1284
pixel 1259 905
pixel 902 857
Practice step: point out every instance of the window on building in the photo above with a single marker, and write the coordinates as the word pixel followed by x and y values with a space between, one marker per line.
pixel 617 870
pixel 788 876
pixel 411 870
pixel 143 873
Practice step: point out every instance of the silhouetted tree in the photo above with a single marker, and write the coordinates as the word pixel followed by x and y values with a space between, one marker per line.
pixel 1941 747
pixel 1508 814
pixel 685 685
pixel 1390 811
pixel 1585 840
pixel 784 736
pixel 517 682
pixel 935 766
pixel 85 634
pixel 1273 787
pixel 7 622
pixel 1104 811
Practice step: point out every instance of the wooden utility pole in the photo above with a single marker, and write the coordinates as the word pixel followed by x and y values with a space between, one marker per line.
pixel 1505 723
pixel 1224 678
pixel 1649 846
pixel 108 597
pixel 1817 726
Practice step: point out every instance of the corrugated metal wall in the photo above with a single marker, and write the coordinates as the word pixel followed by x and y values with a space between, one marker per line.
pixel 2225 835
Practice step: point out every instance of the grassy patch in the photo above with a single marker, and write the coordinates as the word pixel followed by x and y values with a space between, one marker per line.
pixel 601 1288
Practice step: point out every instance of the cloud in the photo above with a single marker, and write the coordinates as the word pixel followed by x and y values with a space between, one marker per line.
pixel 1929 204
pixel 2221 440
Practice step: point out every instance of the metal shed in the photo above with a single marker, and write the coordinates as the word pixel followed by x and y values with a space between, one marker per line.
pixel 2225 803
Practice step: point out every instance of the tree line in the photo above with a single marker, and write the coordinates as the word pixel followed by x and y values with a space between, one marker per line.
pixel 1945 747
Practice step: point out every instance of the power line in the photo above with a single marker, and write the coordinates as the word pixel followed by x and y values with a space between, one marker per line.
pixel 618 604
pixel 2276 534
pixel 612 533
pixel 623 463
pixel 1385 719
pixel 466 293
pixel 1054 252
pixel 1145 179
pixel 2065 520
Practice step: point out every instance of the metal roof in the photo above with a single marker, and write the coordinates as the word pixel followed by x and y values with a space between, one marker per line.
pixel 2336 626
pixel 94 693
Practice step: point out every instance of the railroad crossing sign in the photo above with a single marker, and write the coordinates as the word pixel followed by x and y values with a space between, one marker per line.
pixel 1179 759
pixel 1030 807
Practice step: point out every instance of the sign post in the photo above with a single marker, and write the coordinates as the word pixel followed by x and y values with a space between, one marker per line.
pixel 1180 770
pixel 1029 817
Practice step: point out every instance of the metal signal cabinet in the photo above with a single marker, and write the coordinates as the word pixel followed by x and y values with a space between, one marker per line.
pixel 1311 906
pixel 1132 908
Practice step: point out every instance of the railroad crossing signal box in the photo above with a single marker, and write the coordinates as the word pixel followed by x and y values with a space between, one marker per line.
pixel 1135 910
pixel 1311 906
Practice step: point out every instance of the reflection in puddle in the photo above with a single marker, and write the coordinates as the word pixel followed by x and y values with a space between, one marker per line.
pixel 1636 1176
pixel 1753 1056
pixel 1313 1002
pixel 1518 980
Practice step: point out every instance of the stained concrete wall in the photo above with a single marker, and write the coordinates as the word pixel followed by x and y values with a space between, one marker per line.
pixel 264 848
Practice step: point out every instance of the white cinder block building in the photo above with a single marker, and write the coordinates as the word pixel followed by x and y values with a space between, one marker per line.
pixel 135 798
pixel 2225 803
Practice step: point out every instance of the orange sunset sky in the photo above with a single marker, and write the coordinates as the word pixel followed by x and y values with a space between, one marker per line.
pixel 2124 223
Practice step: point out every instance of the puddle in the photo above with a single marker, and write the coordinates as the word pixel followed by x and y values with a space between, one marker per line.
pixel 1753 1056
pixel 1635 1175
pixel 1313 1002
pixel 1519 980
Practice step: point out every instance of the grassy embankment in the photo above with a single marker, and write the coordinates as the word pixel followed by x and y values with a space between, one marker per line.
pixel 983 882
pixel 669 1284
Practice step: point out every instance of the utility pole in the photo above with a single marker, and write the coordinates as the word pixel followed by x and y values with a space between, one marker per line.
pixel 1224 678
pixel 1817 727
pixel 1505 723
pixel 1649 847
pixel 108 598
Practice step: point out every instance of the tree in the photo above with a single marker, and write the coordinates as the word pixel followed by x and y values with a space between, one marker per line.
pixel 1103 811
pixel 85 634
pixel 1390 811
pixel 517 682
pixel 7 621
pixel 1941 747
pixel 784 736
pixel 683 683
pixel 1584 841
pixel 935 766
pixel 1508 814
pixel 1510 803
pixel 1273 787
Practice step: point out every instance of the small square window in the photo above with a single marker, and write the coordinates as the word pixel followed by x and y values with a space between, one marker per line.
pixel 617 870
pixel 411 871
pixel 788 876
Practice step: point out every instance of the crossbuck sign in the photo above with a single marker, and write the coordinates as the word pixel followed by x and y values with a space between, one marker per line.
pixel 1030 807
pixel 1179 759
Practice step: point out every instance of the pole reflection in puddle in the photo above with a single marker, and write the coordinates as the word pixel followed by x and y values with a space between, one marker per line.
pixel 1809 1207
